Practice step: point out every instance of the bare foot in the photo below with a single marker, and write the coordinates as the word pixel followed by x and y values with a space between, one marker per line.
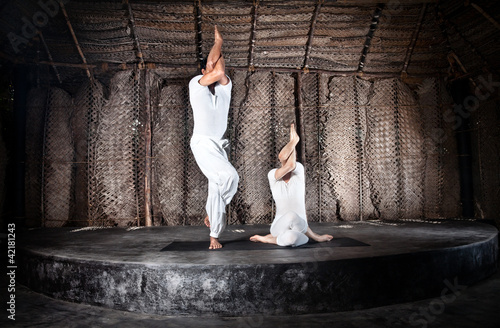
pixel 214 243
pixel 268 239
pixel 294 137
pixel 218 36
pixel 319 238
pixel 322 238
pixel 207 221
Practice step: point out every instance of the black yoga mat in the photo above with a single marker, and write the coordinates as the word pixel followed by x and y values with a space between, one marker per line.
pixel 247 245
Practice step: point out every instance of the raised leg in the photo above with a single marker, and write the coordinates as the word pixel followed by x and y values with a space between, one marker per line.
pixel 216 51
pixel 288 156
pixel 215 67
pixel 289 148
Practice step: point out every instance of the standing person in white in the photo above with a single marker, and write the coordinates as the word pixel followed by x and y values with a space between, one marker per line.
pixel 210 96
pixel 288 186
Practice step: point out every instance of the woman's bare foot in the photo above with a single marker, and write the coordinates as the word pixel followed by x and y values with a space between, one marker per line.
pixel 268 239
pixel 322 238
pixel 214 243
pixel 207 221
pixel 319 238
pixel 294 137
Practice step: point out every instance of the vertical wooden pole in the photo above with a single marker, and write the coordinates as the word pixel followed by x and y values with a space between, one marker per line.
pixel 311 35
pixel 320 131
pixel 251 66
pixel 373 26
pixel 199 41
pixel 70 27
pixel 413 41
pixel 359 147
pixel 300 121
pixel 148 150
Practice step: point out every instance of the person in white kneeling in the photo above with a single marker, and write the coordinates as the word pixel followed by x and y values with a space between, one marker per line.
pixel 289 227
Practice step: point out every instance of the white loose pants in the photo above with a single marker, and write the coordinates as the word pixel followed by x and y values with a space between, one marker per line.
pixel 289 230
pixel 211 157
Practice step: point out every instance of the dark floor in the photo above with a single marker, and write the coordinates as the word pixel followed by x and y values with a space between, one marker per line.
pixel 477 305
pixel 471 306
pixel 142 245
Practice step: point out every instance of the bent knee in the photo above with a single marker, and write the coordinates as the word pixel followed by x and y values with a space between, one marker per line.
pixel 291 238
pixel 296 222
pixel 228 179
pixel 230 175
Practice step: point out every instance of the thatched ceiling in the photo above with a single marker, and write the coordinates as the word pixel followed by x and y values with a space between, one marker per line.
pixel 383 37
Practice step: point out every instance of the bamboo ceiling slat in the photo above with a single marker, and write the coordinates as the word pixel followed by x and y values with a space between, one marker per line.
pixel 166 32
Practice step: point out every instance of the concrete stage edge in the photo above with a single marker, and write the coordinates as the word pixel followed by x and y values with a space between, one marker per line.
pixel 126 269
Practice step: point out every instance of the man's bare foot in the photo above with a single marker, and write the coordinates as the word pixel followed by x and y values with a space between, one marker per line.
pixel 268 239
pixel 214 243
pixel 207 221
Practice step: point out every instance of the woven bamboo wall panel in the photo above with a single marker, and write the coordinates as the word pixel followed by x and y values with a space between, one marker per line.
pixel 311 140
pixel 327 203
pixel 373 149
pixel 239 95
pixel 35 121
pixel 196 182
pixel 429 100
pixel 115 199
pixel 411 137
pixel 484 108
pixel 58 159
pixel 95 102
pixel 170 149
pixel 389 161
pixel 441 188
pixel 345 130
pixel 341 151
pixel 254 148
pixel 83 103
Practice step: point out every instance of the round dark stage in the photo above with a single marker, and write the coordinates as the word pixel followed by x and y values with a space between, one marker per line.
pixel 170 271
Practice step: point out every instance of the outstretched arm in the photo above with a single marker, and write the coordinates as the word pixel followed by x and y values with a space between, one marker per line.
pixel 216 68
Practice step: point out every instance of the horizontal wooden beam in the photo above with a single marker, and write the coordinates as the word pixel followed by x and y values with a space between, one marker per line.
pixel 51 63
pixel 104 66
